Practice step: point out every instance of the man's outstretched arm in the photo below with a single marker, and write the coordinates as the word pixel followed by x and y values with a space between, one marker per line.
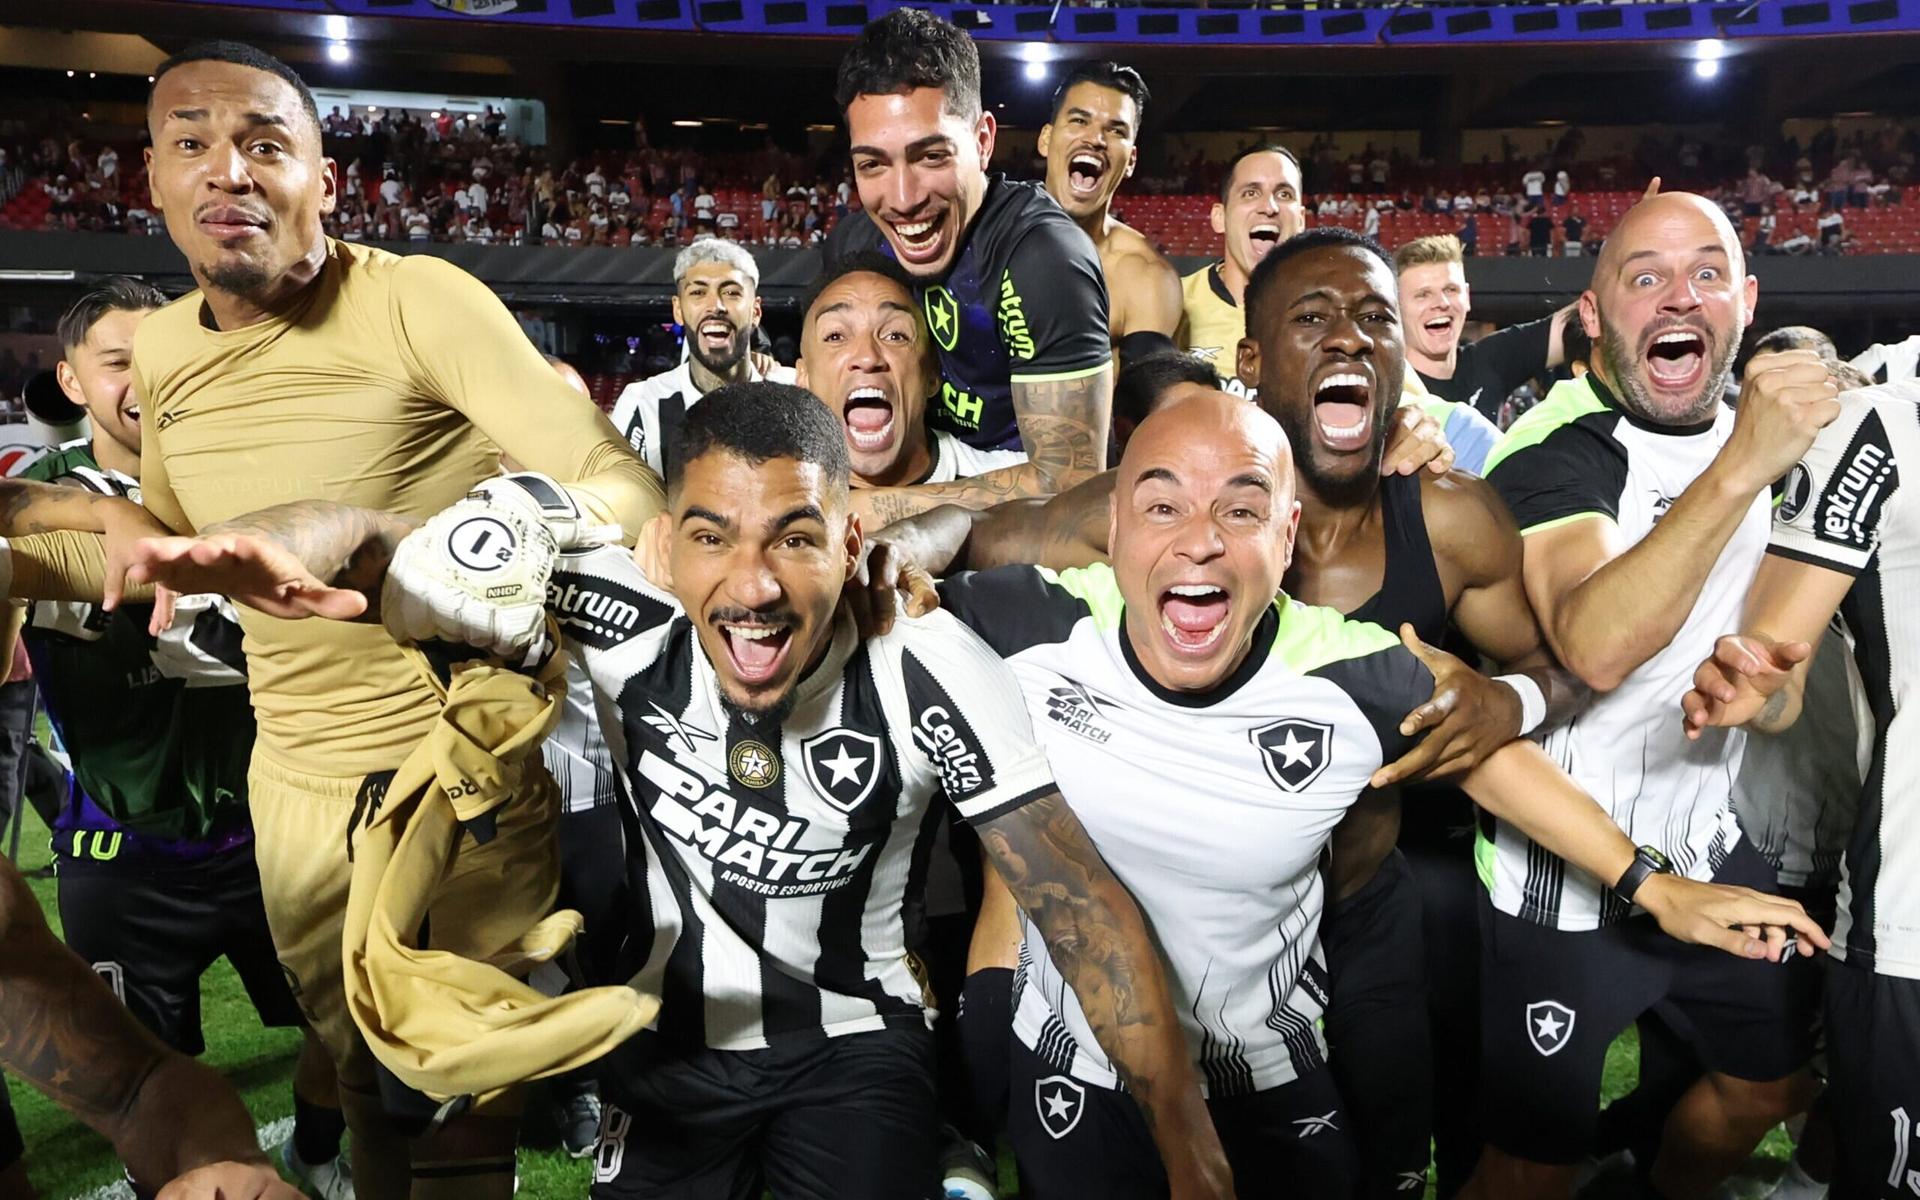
pixel 62 1031
pixel 308 558
pixel 1099 940
pixel 1522 786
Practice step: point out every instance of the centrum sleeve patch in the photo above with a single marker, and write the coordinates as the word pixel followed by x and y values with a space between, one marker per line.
pixel 1831 507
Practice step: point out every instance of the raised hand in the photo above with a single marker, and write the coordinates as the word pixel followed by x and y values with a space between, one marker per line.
pixel 1782 407
pixel 1468 717
pixel 1739 681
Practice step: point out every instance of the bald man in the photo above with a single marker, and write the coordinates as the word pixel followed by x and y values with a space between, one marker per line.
pixel 1642 502
pixel 1210 738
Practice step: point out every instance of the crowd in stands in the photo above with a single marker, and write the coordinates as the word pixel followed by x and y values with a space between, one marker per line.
pixel 440 177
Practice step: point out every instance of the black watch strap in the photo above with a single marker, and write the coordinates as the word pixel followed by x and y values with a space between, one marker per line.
pixel 1646 861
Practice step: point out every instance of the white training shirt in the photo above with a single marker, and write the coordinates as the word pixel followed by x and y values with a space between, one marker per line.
pixel 1577 456
pixel 1213 810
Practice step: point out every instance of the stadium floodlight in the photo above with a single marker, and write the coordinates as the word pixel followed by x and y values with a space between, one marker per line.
pixel 338 52
pixel 1036 52
pixel 1710 49
pixel 1035 71
pixel 337 27
pixel 1707 68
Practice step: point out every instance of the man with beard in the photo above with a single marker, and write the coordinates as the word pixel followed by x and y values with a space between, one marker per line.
pixel 781 767
pixel 716 299
pixel 1089 148
pixel 1422 551
pixel 1642 501
pixel 1261 205
pixel 1436 299
pixel 305 367
pixel 1013 291
pixel 1212 736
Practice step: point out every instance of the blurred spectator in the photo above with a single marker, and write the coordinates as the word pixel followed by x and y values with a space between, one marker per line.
pixel 1534 185
pixel 1575 227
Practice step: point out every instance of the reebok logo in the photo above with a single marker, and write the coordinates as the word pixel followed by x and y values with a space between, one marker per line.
pixel 1310 1126
pixel 167 418
pixel 599 612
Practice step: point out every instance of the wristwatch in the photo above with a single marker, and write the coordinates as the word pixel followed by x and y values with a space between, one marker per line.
pixel 1646 861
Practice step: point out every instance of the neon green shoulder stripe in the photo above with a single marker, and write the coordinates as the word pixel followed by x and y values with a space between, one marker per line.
pixel 1096 587
pixel 1569 400
pixel 1310 636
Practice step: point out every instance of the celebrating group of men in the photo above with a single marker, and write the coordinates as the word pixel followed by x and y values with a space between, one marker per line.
pixel 1262 892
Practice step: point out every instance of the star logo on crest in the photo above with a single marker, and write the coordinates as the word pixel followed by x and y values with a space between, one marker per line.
pixel 1295 751
pixel 943 317
pixel 753 764
pixel 1549 1026
pixel 843 765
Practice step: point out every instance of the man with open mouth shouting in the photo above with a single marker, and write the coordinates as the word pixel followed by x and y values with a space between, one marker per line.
pixel 1210 737
pixel 1089 148
pixel 1013 292
pixel 1261 205
pixel 1643 504
pixel 864 350
pixel 716 299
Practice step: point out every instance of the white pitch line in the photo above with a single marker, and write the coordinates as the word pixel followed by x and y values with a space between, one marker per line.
pixel 269 1135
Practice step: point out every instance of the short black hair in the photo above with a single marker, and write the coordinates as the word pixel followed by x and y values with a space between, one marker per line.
pixel 1796 337
pixel 1261 280
pixel 860 262
pixel 1112 76
pixel 1144 381
pixel 760 421
pixel 240 54
pixel 911 48
pixel 1226 183
pixel 115 293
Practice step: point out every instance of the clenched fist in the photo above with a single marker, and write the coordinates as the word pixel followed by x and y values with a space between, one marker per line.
pixel 1782 407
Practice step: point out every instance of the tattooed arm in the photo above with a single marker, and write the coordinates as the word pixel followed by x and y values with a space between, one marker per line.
pixel 1063 428
pixel 308 558
pixel 1068 530
pixel 28 507
pixel 1099 940
pixel 62 1031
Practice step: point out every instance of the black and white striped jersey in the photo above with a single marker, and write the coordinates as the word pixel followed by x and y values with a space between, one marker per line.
pixel 1578 456
pixel 767 863
pixel 1213 809
pixel 1844 509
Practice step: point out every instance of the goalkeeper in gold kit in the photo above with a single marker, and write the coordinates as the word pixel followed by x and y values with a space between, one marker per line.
pixel 305 368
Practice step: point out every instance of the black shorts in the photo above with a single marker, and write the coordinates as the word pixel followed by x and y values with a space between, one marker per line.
pixel 1873 1085
pixel 152 931
pixel 1554 1001
pixel 846 1118
pixel 1075 1141
pixel 1378 1032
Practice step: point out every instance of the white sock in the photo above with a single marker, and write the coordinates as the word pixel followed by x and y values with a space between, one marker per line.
pixel 1796 1184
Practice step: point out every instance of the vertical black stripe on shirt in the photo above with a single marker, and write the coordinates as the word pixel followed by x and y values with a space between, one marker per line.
pixel 1866 615
pixel 842 967
pixel 667 682
pixel 787 1004
pixel 671 412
